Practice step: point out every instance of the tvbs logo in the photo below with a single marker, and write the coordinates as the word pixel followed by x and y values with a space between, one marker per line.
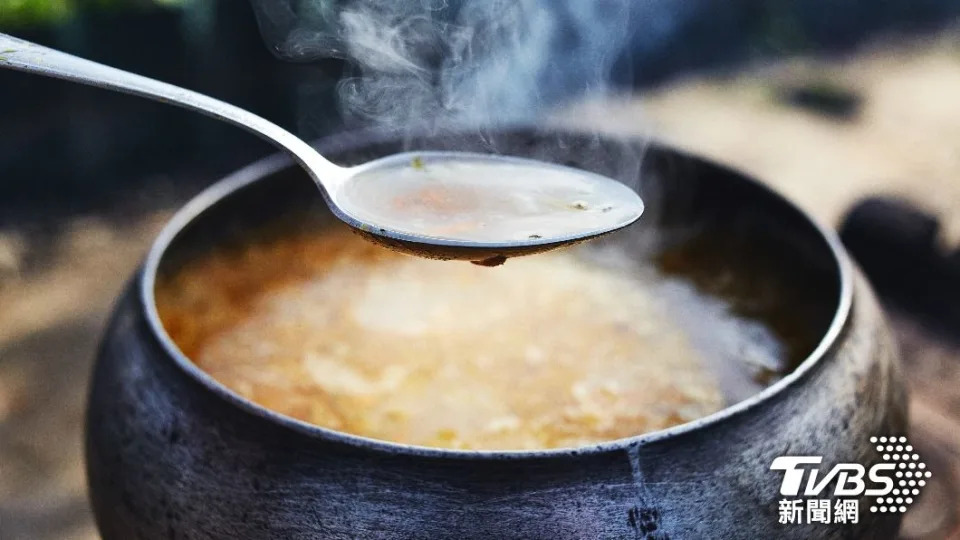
pixel 894 482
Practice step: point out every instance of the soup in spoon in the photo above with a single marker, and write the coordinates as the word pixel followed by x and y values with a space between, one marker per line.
pixel 496 207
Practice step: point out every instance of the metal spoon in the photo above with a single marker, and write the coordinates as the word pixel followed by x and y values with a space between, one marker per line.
pixel 443 205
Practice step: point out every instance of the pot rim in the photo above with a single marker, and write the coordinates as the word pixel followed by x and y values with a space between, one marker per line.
pixel 265 167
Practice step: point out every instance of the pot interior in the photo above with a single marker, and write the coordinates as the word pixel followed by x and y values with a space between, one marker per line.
pixel 705 225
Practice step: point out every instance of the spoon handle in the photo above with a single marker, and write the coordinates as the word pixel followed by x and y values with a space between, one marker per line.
pixel 25 56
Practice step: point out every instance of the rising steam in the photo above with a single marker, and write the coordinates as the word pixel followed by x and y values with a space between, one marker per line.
pixel 438 64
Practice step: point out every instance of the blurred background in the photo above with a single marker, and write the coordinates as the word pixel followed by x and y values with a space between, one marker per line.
pixel 852 108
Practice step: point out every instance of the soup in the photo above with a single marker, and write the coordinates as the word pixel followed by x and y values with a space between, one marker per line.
pixel 478 200
pixel 562 349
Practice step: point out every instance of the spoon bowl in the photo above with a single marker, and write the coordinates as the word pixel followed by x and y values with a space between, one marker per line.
pixel 440 205
pixel 480 207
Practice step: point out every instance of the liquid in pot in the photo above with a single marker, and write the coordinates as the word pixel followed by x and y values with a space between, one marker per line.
pixel 556 350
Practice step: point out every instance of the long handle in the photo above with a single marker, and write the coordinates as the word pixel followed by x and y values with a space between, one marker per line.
pixel 25 56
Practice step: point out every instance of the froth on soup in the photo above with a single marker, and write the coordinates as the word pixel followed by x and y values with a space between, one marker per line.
pixel 563 349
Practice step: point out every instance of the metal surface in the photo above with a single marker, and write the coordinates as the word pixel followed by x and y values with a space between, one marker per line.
pixel 172 452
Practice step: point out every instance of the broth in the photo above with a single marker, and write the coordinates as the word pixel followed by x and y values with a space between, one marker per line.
pixel 476 200
pixel 563 349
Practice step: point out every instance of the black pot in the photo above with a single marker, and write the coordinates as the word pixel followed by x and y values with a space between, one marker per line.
pixel 171 453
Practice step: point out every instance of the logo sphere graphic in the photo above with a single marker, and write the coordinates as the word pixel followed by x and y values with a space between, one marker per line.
pixel 911 474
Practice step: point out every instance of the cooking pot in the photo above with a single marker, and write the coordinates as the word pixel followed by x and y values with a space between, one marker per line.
pixel 171 453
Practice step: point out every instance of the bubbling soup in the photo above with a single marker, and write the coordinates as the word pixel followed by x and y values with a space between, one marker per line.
pixel 563 349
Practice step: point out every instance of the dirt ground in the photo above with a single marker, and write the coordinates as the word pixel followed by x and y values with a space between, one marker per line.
pixel 56 290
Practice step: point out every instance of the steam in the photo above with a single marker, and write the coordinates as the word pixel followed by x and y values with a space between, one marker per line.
pixel 440 64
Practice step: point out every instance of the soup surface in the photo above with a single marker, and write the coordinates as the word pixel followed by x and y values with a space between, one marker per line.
pixel 479 200
pixel 556 350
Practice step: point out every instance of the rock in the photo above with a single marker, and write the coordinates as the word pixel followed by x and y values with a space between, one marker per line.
pixel 898 248
pixel 825 99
